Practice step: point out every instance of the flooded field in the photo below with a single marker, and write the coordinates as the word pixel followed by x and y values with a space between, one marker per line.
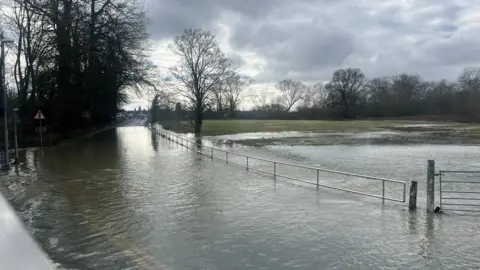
pixel 128 199
pixel 400 153
pixel 443 134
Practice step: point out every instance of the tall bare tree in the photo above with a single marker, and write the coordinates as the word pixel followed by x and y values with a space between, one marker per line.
pixel 469 80
pixel 315 96
pixel 292 92
pixel 379 94
pixel 234 86
pixel 218 98
pixel 344 89
pixel 260 99
pixel 201 67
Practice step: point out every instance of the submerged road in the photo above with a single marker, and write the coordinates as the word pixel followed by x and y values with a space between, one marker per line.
pixel 128 199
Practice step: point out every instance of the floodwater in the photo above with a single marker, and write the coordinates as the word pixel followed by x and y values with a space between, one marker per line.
pixel 129 199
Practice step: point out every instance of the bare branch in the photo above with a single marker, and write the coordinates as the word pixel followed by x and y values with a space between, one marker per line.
pixel 201 68
pixel 292 92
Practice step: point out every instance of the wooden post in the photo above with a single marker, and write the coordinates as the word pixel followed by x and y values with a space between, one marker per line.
pixel 430 186
pixel 412 203
pixel 383 191
pixel 275 170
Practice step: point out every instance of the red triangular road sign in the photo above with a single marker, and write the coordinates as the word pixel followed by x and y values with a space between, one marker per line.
pixel 39 115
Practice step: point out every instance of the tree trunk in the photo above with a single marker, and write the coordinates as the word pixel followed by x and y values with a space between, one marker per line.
pixel 346 112
pixel 232 109
pixel 198 119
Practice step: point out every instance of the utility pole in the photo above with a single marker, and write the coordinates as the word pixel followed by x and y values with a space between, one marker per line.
pixel 4 88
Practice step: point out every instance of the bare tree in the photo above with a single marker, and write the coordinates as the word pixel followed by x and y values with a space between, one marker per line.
pixel 234 86
pixel 408 87
pixel 218 98
pixel 315 96
pixel 292 92
pixel 201 67
pixel 344 89
pixel 469 80
pixel 260 99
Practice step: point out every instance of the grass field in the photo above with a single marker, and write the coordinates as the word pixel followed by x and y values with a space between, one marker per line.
pixel 221 127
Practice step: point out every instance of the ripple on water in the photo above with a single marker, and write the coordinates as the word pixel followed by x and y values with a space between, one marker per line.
pixel 141 208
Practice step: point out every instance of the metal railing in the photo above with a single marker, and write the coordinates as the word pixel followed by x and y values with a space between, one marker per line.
pixel 276 164
pixel 461 194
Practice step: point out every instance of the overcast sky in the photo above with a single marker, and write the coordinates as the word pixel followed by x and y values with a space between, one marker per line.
pixel 308 39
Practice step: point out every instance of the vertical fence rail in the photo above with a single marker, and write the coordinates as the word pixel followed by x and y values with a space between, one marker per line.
pixel 430 186
pixel 440 188
pixel 276 175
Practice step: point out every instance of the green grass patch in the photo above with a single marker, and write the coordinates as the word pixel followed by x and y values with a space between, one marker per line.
pixel 222 127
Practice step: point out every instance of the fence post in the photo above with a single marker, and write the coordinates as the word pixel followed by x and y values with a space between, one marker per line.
pixel 211 153
pixel 226 157
pixel 412 203
pixel 383 191
pixel 430 186
pixel 275 170
pixel 440 188
pixel 318 178
pixel 247 163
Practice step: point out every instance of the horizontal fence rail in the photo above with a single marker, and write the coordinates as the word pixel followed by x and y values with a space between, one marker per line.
pixel 246 162
pixel 461 193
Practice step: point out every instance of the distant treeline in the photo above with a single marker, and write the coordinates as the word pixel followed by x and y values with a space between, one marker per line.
pixel 349 95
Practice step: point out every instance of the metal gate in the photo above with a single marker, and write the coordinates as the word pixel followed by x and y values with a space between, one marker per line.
pixel 459 191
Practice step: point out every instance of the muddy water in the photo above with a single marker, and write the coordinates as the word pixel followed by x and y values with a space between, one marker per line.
pixel 127 199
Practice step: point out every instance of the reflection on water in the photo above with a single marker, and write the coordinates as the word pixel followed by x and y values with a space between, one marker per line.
pixel 127 199
pixel 154 139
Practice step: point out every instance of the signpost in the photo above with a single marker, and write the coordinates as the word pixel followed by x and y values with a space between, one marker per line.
pixel 39 116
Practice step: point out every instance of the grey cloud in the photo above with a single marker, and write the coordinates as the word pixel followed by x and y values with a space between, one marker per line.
pixel 169 17
pixel 460 49
pixel 238 60
pixel 309 39
pixel 307 49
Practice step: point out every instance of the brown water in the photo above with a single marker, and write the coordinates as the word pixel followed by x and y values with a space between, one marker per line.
pixel 127 199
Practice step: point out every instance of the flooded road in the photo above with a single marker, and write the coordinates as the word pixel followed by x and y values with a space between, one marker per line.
pixel 127 199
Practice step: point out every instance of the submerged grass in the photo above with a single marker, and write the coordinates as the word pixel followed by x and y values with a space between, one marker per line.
pixel 223 127
pixel 407 131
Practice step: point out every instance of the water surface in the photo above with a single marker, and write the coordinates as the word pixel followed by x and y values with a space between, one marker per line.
pixel 127 199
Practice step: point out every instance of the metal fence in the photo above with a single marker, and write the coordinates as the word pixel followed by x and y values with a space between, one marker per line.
pixel 458 191
pixel 277 169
